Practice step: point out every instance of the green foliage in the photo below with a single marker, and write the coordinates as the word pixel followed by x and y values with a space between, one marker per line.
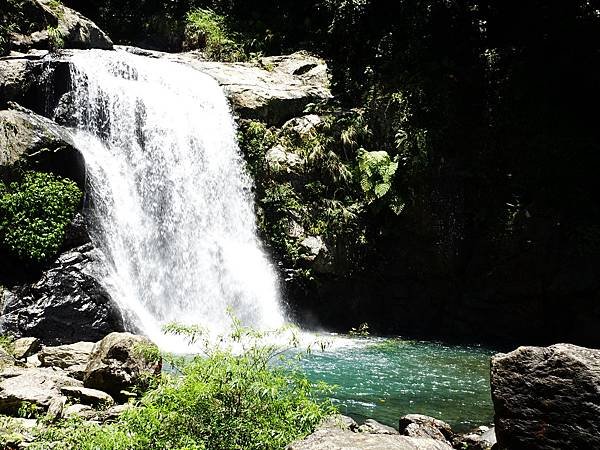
pixel 361 331
pixel 221 401
pixel 148 351
pixel 255 139
pixel 56 7
pixel 35 213
pixel 55 38
pixel 28 410
pixel 7 341
pixel 281 207
pixel 376 170
pixel 318 195
pixel 206 30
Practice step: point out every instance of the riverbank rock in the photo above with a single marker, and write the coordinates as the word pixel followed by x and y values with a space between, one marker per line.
pixel 374 427
pixel 25 347
pixel 47 24
pixel 338 433
pixel 417 425
pixel 66 305
pixel 64 356
pixel 32 386
pixel 347 440
pixel 122 361
pixel 88 396
pixel 483 438
pixel 547 397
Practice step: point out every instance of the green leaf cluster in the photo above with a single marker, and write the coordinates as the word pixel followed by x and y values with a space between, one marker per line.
pixel 55 38
pixel 35 214
pixel 376 171
pixel 206 30
pixel 255 139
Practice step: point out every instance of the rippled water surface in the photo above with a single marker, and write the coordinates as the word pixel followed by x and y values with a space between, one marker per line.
pixel 387 378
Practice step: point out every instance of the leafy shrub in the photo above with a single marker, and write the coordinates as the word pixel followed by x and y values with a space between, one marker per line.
pixel 255 140
pixel 219 402
pixel 55 38
pixel 281 204
pixel 206 30
pixel 6 341
pixel 35 213
pixel 377 171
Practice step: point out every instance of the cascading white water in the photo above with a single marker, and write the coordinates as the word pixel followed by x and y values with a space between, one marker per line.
pixel 171 202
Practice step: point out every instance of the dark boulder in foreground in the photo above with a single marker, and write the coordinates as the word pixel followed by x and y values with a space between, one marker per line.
pixel 66 305
pixel 547 398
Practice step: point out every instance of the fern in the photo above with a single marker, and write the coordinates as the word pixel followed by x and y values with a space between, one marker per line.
pixel 376 170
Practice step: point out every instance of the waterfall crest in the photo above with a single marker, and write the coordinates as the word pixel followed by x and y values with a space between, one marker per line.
pixel 171 203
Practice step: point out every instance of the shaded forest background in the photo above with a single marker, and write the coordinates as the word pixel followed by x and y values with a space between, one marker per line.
pixel 491 109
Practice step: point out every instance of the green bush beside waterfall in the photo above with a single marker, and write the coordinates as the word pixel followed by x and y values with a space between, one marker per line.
pixel 35 213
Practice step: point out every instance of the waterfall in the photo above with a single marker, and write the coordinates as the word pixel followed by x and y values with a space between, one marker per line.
pixel 171 204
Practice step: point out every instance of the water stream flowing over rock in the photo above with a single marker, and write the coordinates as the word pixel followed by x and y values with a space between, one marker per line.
pixel 170 202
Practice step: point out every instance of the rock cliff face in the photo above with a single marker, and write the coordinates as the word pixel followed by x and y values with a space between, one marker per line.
pixel 547 398
pixel 65 303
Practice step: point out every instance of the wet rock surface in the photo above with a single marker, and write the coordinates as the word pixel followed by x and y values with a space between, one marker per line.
pixel 66 305
pixel 30 140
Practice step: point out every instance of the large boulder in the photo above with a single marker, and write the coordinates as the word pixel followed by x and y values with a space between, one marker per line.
pixel 547 398
pixel 122 361
pixel 25 347
pixel 33 386
pixel 42 23
pixel 273 89
pixel 28 139
pixel 66 305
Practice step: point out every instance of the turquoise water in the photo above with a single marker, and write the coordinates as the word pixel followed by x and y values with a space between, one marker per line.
pixel 384 379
